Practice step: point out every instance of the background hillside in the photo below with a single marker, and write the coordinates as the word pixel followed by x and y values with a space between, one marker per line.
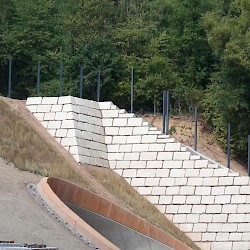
pixel 198 50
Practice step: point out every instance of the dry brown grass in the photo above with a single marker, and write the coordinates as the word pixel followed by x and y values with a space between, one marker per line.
pixel 27 150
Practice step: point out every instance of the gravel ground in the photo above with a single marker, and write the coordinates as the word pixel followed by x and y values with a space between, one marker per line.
pixel 23 220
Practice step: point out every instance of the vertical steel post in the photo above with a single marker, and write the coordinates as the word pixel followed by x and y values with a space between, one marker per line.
pixel 61 80
pixel 9 80
pixel 38 78
pixel 228 144
pixel 132 90
pixel 249 155
pixel 164 112
pixel 195 128
pixel 167 113
pixel 98 84
pixel 81 77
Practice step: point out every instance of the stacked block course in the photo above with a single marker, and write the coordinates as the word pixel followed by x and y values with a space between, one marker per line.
pixel 207 201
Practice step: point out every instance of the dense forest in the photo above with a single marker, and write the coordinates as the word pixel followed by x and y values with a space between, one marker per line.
pixel 198 50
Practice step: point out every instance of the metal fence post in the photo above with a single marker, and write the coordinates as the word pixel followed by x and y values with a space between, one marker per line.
pixel 98 84
pixel 195 128
pixel 81 77
pixel 249 155
pixel 38 78
pixel 167 113
pixel 9 80
pixel 132 90
pixel 163 112
pixel 61 80
pixel 228 144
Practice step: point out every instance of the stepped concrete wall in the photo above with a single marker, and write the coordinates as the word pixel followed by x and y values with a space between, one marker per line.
pixel 204 199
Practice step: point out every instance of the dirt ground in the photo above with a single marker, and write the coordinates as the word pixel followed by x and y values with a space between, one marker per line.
pixel 183 131
pixel 23 220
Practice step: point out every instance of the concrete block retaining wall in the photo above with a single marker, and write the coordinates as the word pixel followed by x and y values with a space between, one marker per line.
pixel 207 201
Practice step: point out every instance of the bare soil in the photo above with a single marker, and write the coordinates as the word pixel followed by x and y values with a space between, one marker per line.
pixel 182 129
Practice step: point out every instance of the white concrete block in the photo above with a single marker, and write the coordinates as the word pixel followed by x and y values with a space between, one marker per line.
pixel 180 199
pixel 222 199
pixel 185 209
pixel 201 164
pixel 154 164
pixel 116 156
pixel 222 218
pixel 240 245
pixel 69 141
pixel 244 227
pixel 172 190
pixel 176 146
pixel 111 131
pixel 187 190
pixel 110 113
pixel 131 156
pixel 193 199
pixel 43 108
pixel 181 182
pixel 172 164
pixel 66 100
pixel 218 190
pixel 134 139
pixel 245 190
pixel 214 227
pixel 246 236
pixel 74 150
pixel 236 237
pixel 243 208
pixel 167 140
pixel 208 199
pixel 140 130
pixel 137 164
pixel 238 199
pixel 33 101
pixel 129 173
pixel 165 156
pixel 125 130
pixel 122 164
pixel 186 227
pixel 241 180
pixel 200 227
pixel 222 236
pixel 138 182
pixel 195 157
pixel 146 173
pixel 156 147
pixel 153 199
pixel 120 122
pixel 172 209
pixel 49 100
pixel 32 108
pixel 144 190
pixel 113 148
pixel 177 173
pixel 192 218
pixel 188 164
pixel 221 172
pixel 107 122
pixel 165 199
pixel 39 116
pixel 61 132
pixel 189 172
pixel 203 191
pixel 148 156
pixel 134 122
pixel 211 181
pixel 149 182
pixel 226 181
pixel 206 172
pixel 208 237
pixel 119 139
pixel 162 173
pixel 125 148
pixel 167 182
pixel 54 125
pixel 105 105
pixel 181 155
pixel 229 208
pixel 59 116
pixel 206 218
pixel 49 116
pixel 179 218
pixel 214 209
pixel 158 190
pixel 72 116
pixel 232 190
pixel 69 124
pixel 140 148
pixel 149 138
pixel 195 181
pixel 161 208
pixel 45 124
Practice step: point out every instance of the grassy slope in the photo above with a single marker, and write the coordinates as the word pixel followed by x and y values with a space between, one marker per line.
pixel 27 150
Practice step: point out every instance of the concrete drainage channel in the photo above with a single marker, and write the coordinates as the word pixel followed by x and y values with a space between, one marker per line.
pixel 23 246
